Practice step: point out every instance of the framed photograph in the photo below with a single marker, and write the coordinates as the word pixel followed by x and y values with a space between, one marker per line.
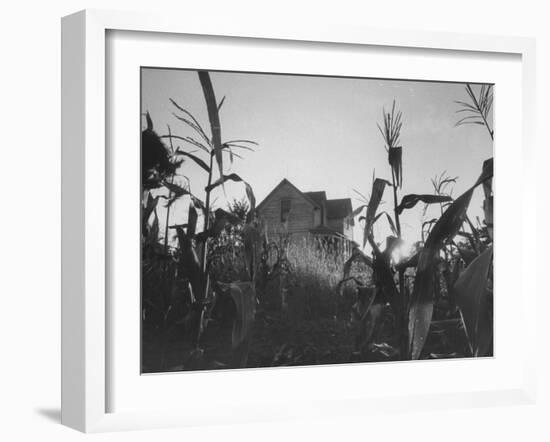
pixel 251 212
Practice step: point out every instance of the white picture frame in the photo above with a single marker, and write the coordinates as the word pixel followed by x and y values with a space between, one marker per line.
pixel 85 306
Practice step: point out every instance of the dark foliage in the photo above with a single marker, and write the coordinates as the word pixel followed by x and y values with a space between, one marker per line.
pixel 155 158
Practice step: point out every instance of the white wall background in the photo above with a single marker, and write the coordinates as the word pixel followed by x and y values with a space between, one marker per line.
pixel 30 217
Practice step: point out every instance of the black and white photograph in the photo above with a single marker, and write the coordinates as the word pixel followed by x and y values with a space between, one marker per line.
pixel 300 220
pixel 274 221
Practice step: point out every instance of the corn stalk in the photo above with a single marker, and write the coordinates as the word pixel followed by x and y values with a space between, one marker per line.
pixel 196 263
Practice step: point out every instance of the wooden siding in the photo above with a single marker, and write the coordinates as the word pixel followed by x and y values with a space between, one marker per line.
pixel 302 212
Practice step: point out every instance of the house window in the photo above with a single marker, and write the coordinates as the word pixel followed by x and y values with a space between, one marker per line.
pixel 285 209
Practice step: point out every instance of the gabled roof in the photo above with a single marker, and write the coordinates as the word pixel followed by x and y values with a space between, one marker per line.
pixel 336 208
pixel 339 208
pixel 319 197
pixel 283 182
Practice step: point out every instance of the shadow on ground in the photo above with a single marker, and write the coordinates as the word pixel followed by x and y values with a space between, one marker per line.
pixel 51 414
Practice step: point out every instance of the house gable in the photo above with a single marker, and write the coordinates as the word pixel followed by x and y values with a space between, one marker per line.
pixel 302 214
pixel 286 209
pixel 285 182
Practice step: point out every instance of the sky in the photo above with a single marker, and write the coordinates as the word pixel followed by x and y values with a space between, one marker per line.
pixel 321 134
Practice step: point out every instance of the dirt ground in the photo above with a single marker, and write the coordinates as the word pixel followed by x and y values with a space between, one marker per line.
pixel 279 340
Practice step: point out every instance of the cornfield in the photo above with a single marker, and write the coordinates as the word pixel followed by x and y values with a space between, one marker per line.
pixel 219 292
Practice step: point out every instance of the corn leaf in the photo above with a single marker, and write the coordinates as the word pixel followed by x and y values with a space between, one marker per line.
pixel 471 296
pixel 445 229
pixel 488 206
pixel 192 219
pixel 448 225
pixel 486 173
pixel 395 159
pixel 252 240
pixel 378 187
pixel 243 295
pixel 251 197
pixel 236 178
pixel 177 191
pixel 237 142
pixel 221 103
pixel 420 315
pixel 213 116
pixel 153 232
pixel 190 262
pixel 384 280
pixel 369 314
pixel 388 217
pixel 467 255
pixel 187 139
pixel 196 159
pixel 358 210
pixel 223 179
pixel 409 201
pixel 149 121
pixel 191 121
pixel 477 111
pixel 147 209
pixel 198 203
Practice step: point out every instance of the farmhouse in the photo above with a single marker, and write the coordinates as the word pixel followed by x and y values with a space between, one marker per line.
pixel 288 210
